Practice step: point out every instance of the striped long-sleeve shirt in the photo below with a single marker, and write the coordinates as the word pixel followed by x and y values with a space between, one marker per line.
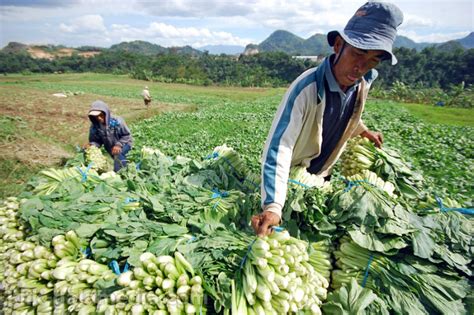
pixel 295 136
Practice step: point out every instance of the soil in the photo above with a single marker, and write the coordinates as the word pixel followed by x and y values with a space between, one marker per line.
pixel 49 128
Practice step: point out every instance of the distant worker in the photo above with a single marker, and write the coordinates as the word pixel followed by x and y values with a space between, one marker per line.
pixel 111 132
pixel 146 96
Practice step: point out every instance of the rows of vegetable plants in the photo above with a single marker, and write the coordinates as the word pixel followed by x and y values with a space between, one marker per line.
pixel 170 234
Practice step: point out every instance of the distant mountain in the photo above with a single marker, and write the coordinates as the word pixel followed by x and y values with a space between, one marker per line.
pixel 317 44
pixel 468 41
pixel 280 40
pixel 402 41
pixel 14 47
pixel 450 46
pixel 146 48
pixel 138 47
pixel 292 44
pixel 223 49
pixel 48 51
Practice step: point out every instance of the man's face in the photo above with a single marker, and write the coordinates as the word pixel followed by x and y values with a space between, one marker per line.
pixel 354 63
pixel 100 118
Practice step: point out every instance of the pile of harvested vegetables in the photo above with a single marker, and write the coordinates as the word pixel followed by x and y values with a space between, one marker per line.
pixel 171 235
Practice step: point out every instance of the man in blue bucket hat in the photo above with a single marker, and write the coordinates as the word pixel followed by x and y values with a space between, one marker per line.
pixel 322 109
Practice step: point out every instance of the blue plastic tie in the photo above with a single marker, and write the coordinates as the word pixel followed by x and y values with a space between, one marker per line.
pixel 116 268
pixel 247 253
pixel 215 155
pixel 278 228
pixel 125 268
pixel 211 156
pixel 137 165
pixel 84 173
pixel 298 183
pixel 87 252
pixel 218 194
pixel 354 183
pixel 366 275
pixel 469 211
pixel 192 239
pixel 129 200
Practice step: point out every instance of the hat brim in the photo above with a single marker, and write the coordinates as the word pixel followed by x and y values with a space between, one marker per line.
pixel 331 37
pixel 95 113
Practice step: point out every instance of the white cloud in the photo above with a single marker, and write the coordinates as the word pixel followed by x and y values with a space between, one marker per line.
pixel 195 8
pixel 86 23
pixel 201 22
pixel 413 21
pixel 170 35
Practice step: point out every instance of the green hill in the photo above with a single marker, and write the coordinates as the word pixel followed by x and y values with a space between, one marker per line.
pixel 468 41
pixel 317 44
pixel 402 41
pixel 139 46
pixel 289 43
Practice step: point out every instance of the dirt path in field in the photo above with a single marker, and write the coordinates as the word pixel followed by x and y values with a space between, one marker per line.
pixel 47 128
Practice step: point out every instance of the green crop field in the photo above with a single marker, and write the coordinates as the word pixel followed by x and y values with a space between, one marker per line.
pixel 39 130
pixel 178 215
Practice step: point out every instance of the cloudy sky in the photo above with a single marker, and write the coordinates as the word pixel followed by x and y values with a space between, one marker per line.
pixel 213 22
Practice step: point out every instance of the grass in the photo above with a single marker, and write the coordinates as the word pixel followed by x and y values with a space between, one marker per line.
pixel 440 115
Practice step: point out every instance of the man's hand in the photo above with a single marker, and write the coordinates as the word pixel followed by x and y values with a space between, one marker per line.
pixel 262 222
pixel 86 146
pixel 116 150
pixel 375 137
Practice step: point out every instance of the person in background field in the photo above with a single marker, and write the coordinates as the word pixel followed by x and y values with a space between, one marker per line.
pixel 146 96
pixel 111 132
pixel 322 108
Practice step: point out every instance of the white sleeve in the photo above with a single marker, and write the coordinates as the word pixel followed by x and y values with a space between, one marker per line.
pixel 278 151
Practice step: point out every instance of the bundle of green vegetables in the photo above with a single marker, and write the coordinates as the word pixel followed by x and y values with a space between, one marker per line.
pixel 158 285
pixel 96 159
pixel 217 253
pixel 300 176
pixel 78 279
pixel 41 280
pixel 72 208
pixel 374 180
pixel 305 210
pixel 352 298
pixel 378 223
pixel 51 180
pixel 231 159
pixel 127 236
pixel 361 154
pixel 277 278
pixel 320 257
pixel 407 284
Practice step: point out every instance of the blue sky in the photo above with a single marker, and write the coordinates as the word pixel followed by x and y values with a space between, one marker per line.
pixel 198 23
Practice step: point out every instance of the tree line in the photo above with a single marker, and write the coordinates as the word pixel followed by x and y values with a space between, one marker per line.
pixel 427 68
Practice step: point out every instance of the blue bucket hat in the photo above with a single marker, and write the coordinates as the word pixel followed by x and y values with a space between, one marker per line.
pixel 373 27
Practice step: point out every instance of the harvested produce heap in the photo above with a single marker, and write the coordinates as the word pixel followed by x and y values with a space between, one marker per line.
pixel 171 236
